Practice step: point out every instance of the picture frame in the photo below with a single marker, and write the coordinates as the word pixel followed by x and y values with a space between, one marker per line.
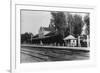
pixel 17 66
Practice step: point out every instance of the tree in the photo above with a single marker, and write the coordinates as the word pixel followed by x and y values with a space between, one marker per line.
pixel 59 22
pixel 87 21
pixel 78 23
pixel 67 23
pixel 75 23
pixel 51 25
pixel 30 37
pixel 26 37
pixel 22 38
pixel 70 19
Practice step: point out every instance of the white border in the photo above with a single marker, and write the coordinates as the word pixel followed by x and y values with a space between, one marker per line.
pixel 15 59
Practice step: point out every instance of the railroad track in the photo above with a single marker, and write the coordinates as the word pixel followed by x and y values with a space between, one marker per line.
pixel 48 55
pixel 39 59
pixel 41 56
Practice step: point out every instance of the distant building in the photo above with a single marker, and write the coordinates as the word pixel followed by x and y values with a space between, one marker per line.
pixel 44 31
pixel 46 36
pixel 84 38
pixel 70 41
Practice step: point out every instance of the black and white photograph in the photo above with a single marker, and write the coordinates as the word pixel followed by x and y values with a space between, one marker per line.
pixel 49 36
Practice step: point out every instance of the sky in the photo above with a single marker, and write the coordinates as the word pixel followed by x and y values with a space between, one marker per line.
pixel 31 21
